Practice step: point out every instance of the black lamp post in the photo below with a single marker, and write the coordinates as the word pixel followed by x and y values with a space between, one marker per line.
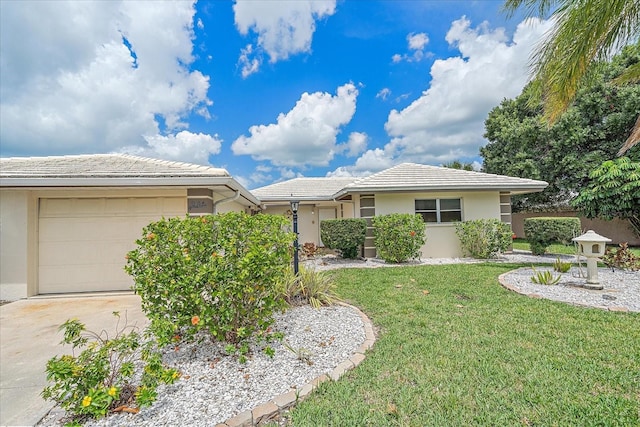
pixel 294 208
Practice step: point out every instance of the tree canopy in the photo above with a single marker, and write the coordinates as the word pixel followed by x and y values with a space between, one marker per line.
pixel 590 132
pixel 586 32
pixel 613 192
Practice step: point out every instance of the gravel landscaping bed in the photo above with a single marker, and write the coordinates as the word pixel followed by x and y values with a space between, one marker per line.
pixel 215 387
pixel 621 288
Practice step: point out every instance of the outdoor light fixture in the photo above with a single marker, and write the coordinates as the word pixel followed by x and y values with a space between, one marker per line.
pixel 294 208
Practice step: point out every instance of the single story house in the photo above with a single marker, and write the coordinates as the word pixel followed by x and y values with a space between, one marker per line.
pixel 67 222
pixel 317 203
pixel 441 195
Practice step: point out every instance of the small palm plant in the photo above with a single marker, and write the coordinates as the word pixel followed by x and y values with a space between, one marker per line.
pixel 309 287
pixel 544 277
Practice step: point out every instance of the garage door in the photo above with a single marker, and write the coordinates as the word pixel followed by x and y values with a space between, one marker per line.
pixel 83 242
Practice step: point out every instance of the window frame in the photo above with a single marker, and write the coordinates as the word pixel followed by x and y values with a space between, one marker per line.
pixel 438 210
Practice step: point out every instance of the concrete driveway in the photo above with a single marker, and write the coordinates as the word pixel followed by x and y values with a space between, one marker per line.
pixel 29 337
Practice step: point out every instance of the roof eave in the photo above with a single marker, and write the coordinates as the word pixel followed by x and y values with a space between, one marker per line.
pixel 521 189
pixel 98 182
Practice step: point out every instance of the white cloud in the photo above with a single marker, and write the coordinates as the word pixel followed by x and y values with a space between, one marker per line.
pixel 384 93
pixel 356 144
pixel 183 146
pixel 415 43
pixel 284 27
pixel 249 65
pixel 306 135
pixel 447 121
pixel 70 84
pixel 370 162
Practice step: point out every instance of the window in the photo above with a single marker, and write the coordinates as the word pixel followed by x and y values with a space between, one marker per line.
pixel 439 210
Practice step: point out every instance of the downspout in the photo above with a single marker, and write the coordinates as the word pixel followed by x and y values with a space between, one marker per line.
pixel 228 199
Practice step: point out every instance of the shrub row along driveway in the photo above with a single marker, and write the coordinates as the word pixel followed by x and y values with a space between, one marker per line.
pixel 29 337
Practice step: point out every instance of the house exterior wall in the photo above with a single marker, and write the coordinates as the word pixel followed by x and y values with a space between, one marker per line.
pixel 309 217
pixel 442 241
pixel 307 221
pixel 14 243
pixel 19 228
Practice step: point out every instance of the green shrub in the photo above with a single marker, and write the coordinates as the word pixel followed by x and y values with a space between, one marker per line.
pixel 543 231
pixel 91 384
pixel 216 273
pixel 345 234
pixel 484 238
pixel 398 237
pixel 309 287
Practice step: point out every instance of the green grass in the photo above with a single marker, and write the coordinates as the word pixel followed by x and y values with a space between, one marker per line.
pixel 470 353
pixel 559 248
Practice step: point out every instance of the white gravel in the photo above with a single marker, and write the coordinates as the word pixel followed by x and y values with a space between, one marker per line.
pixel 620 288
pixel 215 387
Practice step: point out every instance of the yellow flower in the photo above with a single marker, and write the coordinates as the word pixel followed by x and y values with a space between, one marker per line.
pixel 112 392
pixel 175 375
pixel 86 401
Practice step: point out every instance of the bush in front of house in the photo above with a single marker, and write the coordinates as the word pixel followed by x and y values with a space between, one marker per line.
pixel 344 234
pixel 484 238
pixel 543 231
pixel 399 237
pixel 100 374
pixel 215 273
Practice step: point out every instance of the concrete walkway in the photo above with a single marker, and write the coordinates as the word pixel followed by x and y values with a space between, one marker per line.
pixel 29 337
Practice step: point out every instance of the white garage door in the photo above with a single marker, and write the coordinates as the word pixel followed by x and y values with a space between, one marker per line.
pixel 83 242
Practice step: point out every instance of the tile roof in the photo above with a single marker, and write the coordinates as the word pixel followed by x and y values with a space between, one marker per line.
pixel 101 166
pixel 114 170
pixel 302 189
pixel 417 177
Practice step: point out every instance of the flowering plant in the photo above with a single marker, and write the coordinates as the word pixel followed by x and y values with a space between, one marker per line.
pixel 100 378
pixel 217 274
pixel 399 237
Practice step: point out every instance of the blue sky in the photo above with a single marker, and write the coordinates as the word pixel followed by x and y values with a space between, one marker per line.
pixel 268 90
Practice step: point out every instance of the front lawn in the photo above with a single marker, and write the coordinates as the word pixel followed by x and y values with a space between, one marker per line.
pixel 559 248
pixel 456 349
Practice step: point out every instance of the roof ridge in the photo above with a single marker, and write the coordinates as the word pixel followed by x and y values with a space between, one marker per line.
pixel 191 166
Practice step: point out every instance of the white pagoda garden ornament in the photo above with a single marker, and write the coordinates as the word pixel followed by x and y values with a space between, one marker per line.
pixel 591 245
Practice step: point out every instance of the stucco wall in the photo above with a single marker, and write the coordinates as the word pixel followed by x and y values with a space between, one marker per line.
pixel 14 218
pixel 309 217
pixel 442 241
pixel 617 230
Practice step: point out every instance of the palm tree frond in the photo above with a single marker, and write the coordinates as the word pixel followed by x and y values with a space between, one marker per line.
pixel 585 32
pixel 630 75
pixel 633 139
pixel 532 7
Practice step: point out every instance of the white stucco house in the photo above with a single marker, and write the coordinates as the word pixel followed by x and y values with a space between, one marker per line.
pixel 442 196
pixel 67 222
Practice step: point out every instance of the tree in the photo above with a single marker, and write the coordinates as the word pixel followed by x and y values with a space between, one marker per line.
pixel 613 192
pixel 457 164
pixel 588 133
pixel 585 35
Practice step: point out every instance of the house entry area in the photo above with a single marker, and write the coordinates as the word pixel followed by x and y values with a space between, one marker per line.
pixel 82 242
pixel 324 213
